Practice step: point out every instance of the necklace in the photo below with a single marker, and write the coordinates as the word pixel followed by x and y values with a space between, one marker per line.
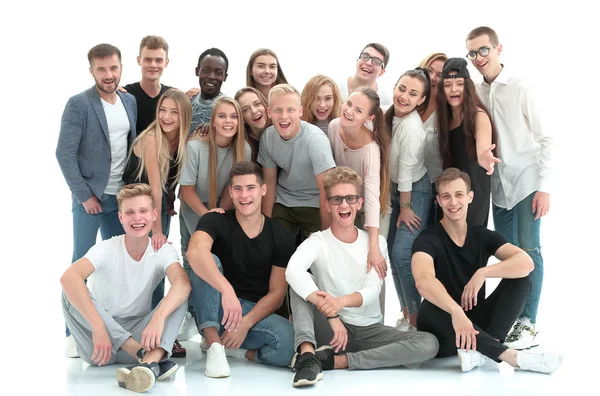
pixel 355 140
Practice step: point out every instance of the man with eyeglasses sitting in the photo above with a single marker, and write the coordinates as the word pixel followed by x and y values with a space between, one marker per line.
pixel 370 65
pixel 339 290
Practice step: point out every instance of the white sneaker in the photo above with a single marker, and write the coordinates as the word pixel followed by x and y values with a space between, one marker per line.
pixel 203 345
pixel 542 362
pixel 71 348
pixel 216 362
pixel 188 328
pixel 471 359
pixel 522 336
pixel 404 325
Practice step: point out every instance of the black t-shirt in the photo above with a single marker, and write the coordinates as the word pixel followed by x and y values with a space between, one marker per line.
pixel 455 265
pixel 247 262
pixel 146 105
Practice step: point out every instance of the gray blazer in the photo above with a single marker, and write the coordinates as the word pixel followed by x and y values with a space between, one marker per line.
pixel 83 150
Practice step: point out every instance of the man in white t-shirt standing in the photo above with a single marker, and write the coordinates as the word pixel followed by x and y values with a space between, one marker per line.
pixel 341 290
pixel 111 319
pixel 521 184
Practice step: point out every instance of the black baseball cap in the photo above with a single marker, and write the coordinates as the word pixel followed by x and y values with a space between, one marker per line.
pixel 459 65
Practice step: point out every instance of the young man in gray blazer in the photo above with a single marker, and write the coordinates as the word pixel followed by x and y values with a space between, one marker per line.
pixel 97 128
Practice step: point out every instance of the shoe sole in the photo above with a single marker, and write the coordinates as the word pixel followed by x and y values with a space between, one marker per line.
pixel 293 362
pixel 534 345
pixel 216 375
pixel 168 373
pixel 306 382
pixel 138 379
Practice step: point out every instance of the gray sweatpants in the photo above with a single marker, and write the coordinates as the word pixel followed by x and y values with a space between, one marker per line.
pixel 368 347
pixel 119 330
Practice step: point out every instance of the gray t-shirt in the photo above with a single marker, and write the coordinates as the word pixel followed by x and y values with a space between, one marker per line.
pixel 299 159
pixel 201 110
pixel 195 172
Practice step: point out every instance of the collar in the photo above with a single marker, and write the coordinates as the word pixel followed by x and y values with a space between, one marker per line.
pixel 502 78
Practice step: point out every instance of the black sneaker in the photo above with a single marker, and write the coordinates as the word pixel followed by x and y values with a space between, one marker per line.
pixel 139 377
pixel 308 370
pixel 166 369
pixel 324 353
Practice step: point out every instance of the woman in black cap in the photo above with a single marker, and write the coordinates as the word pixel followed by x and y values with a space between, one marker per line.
pixel 467 135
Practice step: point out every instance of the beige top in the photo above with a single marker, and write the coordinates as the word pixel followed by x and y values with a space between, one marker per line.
pixel 366 161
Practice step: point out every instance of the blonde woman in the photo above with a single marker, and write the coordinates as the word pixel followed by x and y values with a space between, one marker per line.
pixel 264 71
pixel 157 157
pixel 321 101
pixel 225 145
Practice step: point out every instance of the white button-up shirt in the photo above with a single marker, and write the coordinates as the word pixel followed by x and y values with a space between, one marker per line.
pixel 523 145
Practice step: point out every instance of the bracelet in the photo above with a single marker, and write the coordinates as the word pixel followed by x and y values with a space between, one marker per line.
pixel 333 317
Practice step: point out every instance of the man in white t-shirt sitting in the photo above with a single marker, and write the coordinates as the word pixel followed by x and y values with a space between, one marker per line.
pixel 112 322
pixel 341 289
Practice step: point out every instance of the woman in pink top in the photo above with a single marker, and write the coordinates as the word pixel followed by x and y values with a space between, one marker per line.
pixel 359 141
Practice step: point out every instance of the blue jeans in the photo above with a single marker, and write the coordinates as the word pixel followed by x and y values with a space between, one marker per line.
pixel 272 337
pixel 519 227
pixel 400 241
pixel 85 226
pixel 185 241
pixel 165 221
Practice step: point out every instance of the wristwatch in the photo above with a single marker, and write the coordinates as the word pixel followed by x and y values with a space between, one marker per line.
pixel 405 205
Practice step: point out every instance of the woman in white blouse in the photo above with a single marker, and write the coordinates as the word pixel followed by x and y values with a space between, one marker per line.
pixel 410 188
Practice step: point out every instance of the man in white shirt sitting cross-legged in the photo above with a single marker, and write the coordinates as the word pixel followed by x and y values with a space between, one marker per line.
pixel 111 319
pixel 341 289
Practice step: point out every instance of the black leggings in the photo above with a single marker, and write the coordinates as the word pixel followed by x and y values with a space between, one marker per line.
pixel 492 317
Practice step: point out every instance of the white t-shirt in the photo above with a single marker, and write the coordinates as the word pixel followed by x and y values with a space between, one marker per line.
pixel 121 285
pixel 118 130
pixel 339 269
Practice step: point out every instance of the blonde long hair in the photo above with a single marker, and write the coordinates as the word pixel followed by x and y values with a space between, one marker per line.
pixel 238 145
pixel 309 97
pixel 184 107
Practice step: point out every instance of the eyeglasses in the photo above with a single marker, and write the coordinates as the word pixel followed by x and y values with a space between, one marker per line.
pixel 337 199
pixel 483 51
pixel 366 57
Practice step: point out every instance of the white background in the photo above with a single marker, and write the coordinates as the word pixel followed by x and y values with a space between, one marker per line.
pixel 44 63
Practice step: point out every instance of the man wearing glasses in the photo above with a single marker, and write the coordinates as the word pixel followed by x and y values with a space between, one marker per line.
pixel 341 292
pixel 370 65
pixel 521 184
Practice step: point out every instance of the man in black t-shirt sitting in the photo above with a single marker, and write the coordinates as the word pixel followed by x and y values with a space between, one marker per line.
pixel 238 258
pixel 449 264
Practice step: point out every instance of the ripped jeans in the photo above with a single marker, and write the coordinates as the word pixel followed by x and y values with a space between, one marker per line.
pixel 519 227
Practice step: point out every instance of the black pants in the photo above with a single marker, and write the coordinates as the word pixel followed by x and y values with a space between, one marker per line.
pixel 492 317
